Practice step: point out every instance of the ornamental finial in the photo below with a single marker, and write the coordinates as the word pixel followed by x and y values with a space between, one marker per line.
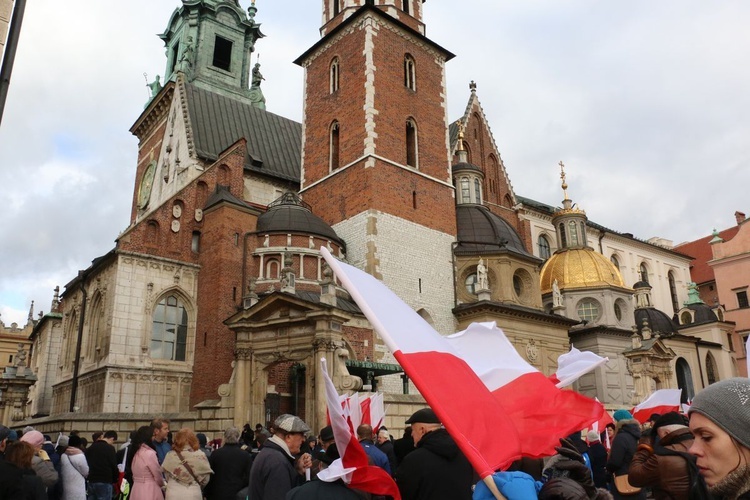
pixel 564 183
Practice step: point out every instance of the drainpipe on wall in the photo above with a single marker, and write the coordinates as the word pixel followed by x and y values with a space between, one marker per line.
pixel 14 32
pixel 700 366
pixel 601 237
pixel 77 361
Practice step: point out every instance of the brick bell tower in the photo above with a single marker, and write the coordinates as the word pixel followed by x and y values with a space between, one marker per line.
pixel 375 157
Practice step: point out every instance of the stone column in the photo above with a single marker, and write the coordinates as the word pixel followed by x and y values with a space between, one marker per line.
pixel 242 384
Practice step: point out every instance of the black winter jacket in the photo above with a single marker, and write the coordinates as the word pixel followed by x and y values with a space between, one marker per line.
pixel 273 474
pixel 231 466
pixel 623 447
pixel 435 470
pixel 102 459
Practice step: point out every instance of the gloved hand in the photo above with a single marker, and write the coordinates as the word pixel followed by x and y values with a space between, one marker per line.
pixel 573 466
pixel 513 486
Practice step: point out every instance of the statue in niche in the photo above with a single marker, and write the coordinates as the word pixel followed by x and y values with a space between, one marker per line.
pixel 482 282
pixel 186 60
pixel 556 295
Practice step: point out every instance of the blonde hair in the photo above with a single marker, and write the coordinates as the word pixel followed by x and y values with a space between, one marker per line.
pixel 185 438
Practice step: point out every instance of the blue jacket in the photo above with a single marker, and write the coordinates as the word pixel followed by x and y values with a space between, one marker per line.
pixel 378 457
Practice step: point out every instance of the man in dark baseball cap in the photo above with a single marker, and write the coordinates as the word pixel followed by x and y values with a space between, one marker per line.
pixel 436 470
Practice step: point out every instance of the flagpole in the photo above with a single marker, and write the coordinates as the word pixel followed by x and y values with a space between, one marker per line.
pixel 493 487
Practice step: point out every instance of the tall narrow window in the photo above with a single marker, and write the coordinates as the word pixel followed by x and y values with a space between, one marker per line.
pixel 411 143
pixel 222 53
pixel 334 75
pixel 334 146
pixel 169 332
pixel 544 249
pixel 644 272
pixel 563 237
pixel 410 77
pixel 573 234
pixel 742 301
pixel 175 55
pixel 477 191
pixel 405 6
pixel 195 243
pixel 673 291
pixel 711 371
pixel 465 190
pixel 583 234
pixel 336 8
pixel 615 261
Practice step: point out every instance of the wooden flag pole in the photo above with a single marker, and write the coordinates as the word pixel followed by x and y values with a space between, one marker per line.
pixel 493 488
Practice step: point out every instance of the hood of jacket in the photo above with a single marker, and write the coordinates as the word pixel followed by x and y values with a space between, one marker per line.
pixel 632 427
pixel 440 443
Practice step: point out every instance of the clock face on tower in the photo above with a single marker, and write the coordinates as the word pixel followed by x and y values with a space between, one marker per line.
pixel 147 182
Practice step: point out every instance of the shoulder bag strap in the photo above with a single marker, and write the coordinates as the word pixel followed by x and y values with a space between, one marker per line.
pixel 187 466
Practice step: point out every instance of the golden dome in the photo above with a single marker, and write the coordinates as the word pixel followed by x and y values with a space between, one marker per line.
pixel 579 268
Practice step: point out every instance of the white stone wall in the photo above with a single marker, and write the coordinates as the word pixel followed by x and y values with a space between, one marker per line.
pixel 47 348
pixel 262 191
pixel 407 253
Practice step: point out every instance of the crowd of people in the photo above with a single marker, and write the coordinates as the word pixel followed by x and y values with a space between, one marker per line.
pixel 702 455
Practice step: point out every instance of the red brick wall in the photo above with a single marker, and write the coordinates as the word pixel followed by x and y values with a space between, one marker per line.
pixel 357 338
pixel 384 187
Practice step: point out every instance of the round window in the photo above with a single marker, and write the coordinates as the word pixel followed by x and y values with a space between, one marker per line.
pixel 471 283
pixel 588 310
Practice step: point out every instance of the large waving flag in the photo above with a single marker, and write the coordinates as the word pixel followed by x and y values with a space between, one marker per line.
pixel 511 411
pixel 573 365
pixel 359 474
pixel 660 402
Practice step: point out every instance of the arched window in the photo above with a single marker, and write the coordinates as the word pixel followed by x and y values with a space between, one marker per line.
pixel 334 145
pixel 465 191
pixel 477 191
pixel 573 234
pixel 563 237
pixel 195 242
pixel 334 75
pixel 201 195
pixel 411 143
pixel 272 269
pixel 152 233
pixel 614 260
pixel 98 335
pixel 673 291
pixel 711 372
pixel 70 346
pixel 508 201
pixel 684 380
pixel 544 249
pixel 410 73
pixel 644 272
pixel 169 331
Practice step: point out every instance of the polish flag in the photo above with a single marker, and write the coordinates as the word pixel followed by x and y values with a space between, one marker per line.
pixel 660 402
pixel 377 411
pixel 496 406
pixel 353 464
pixel 573 365
pixel 364 407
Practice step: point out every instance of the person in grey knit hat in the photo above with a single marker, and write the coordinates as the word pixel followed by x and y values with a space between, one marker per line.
pixel 720 422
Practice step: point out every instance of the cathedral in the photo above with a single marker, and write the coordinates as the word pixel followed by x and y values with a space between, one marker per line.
pixel 215 306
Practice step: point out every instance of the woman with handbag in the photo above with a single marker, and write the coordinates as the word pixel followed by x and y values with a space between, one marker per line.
pixel 623 449
pixel 186 468
pixel 720 422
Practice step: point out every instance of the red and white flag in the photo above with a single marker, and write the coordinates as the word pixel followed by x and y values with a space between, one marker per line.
pixel 354 466
pixel 513 410
pixel 660 402
pixel 573 365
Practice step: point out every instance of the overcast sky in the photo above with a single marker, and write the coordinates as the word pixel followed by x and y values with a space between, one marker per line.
pixel 647 103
